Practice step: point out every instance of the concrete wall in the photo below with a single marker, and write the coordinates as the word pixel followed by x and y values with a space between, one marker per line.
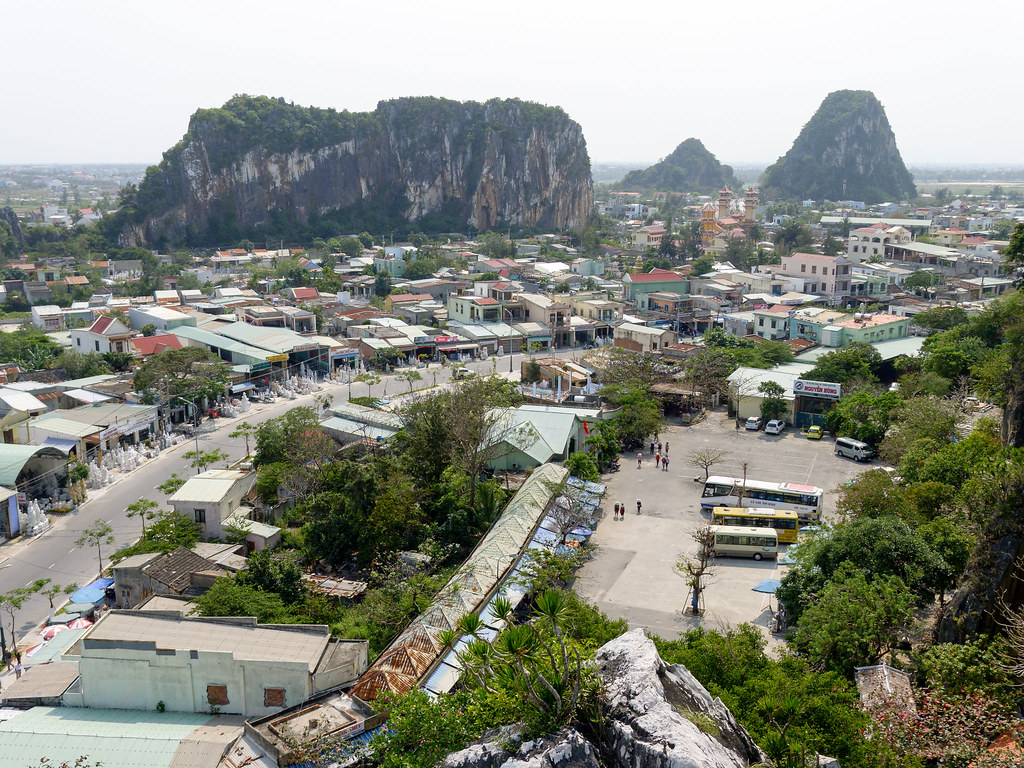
pixel 123 678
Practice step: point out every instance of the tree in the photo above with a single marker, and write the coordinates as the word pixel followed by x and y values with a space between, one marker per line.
pixel 639 415
pixel 793 236
pixel 854 361
pixel 831 246
pixel 54 590
pixel 568 508
pixel 167 532
pixel 171 484
pixel 13 601
pixel 149 329
pixel 396 522
pixel 96 535
pixel 698 567
pixel 410 377
pixel 856 621
pixel 382 284
pixel 80 366
pixel 190 373
pixel 244 430
pixel 202 459
pixel 773 401
pixel 142 509
pixel 864 415
pixel 118 361
pixel 702 264
pixel 369 379
pixel 231 597
pixel 705 458
pixel 279 575
pixel 583 466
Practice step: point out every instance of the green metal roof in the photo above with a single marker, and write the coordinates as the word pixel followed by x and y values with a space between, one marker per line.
pixel 115 738
pixel 240 353
pixel 14 457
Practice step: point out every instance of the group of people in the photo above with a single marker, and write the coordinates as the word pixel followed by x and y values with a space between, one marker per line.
pixel 660 457
pixel 620 510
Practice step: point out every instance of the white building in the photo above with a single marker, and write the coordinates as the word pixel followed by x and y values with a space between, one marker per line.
pixel 140 659
pixel 211 497
pixel 106 334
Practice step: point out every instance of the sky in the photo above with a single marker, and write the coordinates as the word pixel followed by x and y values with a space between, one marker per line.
pixel 116 81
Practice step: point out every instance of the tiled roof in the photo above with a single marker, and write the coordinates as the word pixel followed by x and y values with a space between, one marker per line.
pixel 101 324
pixel 654 276
pixel 150 345
pixel 174 568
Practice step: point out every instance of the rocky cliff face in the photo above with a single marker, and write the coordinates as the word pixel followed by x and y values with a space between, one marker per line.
pixel 847 151
pixel 259 166
pixel 8 215
pixel 656 716
pixel 690 168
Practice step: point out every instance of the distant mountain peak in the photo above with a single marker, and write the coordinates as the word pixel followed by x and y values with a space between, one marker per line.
pixel 846 151
pixel 689 168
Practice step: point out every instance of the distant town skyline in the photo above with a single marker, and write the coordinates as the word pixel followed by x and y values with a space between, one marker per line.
pixel 117 84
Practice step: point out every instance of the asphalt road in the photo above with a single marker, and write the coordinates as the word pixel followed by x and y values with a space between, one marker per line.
pixel 55 555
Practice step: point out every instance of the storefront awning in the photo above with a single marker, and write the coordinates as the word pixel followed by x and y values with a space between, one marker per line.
pixel 244 386
pixel 64 446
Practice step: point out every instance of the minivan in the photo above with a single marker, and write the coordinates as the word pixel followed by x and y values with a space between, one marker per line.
pixel 853 449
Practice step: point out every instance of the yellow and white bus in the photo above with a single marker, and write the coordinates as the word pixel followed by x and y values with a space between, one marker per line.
pixel 737 541
pixel 785 522
pixel 805 500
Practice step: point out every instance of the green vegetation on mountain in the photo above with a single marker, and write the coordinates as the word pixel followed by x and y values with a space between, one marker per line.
pixel 690 168
pixel 846 151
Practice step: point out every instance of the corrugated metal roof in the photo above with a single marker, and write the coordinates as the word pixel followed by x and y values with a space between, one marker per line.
pixel 115 738
pixel 20 401
pixel 13 459
pixel 209 486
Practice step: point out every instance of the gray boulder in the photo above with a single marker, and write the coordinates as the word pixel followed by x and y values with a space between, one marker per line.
pixel 564 749
pixel 658 716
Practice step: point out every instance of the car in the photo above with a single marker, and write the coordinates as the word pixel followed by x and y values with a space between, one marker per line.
pixel 463 373
pixel 754 422
pixel 774 427
pixel 814 433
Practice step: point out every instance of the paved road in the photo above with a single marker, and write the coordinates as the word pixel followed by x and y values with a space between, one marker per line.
pixel 54 555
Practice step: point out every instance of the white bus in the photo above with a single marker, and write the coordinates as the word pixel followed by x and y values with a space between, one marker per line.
pixel 805 500
pixel 739 541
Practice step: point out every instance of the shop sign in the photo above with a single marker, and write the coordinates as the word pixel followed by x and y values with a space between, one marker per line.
pixel 445 339
pixel 135 426
pixel 825 389
pixel 110 432
pixel 277 358
pixel 258 367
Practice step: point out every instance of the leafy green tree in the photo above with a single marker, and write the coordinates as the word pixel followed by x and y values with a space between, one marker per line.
pixel 80 366
pixel 169 531
pixel 854 361
pixel 856 621
pixel 639 415
pixel 191 373
pixel 97 535
pixel 382 284
pixel 278 575
pixel 171 484
pixel 410 377
pixel 773 401
pixel 872 494
pixel 118 361
pixel 13 601
pixel 244 430
pixel 702 264
pixel 793 236
pixel 144 509
pixel 230 597
pixel 583 466
pixel 604 443
pixel 202 459
pixel 149 329
pixel 864 415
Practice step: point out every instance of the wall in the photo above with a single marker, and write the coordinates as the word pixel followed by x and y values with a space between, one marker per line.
pixel 123 678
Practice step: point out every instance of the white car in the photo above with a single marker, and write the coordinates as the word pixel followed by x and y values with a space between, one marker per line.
pixel 774 427
pixel 754 422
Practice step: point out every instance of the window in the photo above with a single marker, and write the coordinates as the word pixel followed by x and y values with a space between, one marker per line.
pixel 97 343
pixel 78 341
pixel 814 269
pixel 273 697
pixel 217 695
pixel 803 267
pixel 200 515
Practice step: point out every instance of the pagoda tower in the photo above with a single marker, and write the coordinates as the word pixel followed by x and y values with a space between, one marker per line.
pixel 749 205
pixel 724 201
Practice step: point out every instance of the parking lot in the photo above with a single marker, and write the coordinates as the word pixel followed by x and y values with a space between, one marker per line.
pixel 632 574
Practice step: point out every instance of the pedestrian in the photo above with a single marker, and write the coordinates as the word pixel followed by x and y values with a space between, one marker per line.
pixel 666 447
pixel 638 505
pixel 657 460
pixel 622 510
pixel 652 448
pixel 655 435
pixel 616 516
pixel 639 460
pixel 659 447
pixel 664 463
pixel 17 670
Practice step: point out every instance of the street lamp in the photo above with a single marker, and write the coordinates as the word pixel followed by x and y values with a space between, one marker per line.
pixel 195 427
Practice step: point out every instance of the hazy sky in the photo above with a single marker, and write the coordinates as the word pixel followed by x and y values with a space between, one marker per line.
pixel 117 81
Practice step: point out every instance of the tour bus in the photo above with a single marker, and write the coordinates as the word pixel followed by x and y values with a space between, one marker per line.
pixel 737 541
pixel 805 500
pixel 784 522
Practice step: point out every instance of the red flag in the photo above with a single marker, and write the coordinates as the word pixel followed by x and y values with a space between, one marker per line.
pixel 586 428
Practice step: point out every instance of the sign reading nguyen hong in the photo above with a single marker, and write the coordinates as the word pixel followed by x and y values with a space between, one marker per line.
pixel 824 389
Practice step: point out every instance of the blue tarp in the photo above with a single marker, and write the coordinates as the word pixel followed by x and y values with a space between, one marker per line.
pixel 88 595
pixel 104 583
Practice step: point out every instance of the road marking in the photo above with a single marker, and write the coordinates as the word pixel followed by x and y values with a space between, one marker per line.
pixel 72 550
pixel 50 566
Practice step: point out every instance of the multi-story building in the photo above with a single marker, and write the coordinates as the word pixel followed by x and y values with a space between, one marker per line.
pixel 107 334
pixel 871 241
pixel 827 276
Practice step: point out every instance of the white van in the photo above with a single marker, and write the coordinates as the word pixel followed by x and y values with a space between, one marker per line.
pixel 854 449
pixel 739 541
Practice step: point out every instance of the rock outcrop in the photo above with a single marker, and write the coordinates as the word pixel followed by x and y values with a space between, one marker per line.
pixel 690 168
pixel 8 215
pixel 846 151
pixel 656 715
pixel 263 167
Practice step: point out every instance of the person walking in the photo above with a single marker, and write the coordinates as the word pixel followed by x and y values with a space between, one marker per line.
pixel 666 447
pixel 639 460
pixel 616 516
pixel 664 463
pixel 622 510
pixel 652 448
pixel 659 447
pixel 17 669
pixel 657 460
pixel 638 505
